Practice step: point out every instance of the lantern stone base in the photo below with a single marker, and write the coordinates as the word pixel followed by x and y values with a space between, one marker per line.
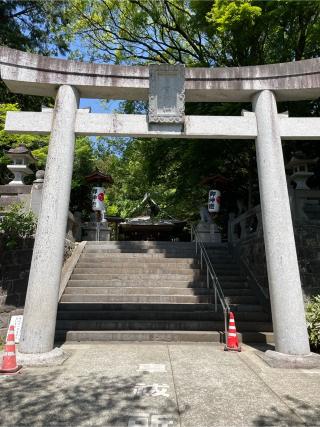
pixel 208 232
pixel 288 361
pixel 90 232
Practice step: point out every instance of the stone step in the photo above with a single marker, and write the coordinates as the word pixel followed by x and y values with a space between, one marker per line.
pixel 230 278
pixel 159 293
pixel 234 285
pixel 237 303
pixel 106 306
pixel 138 243
pixel 121 290
pixel 129 260
pixel 134 255
pixel 129 314
pixel 138 269
pixel 148 250
pixel 136 277
pixel 238 292
pixel 139 283
pixel 158 325
pixel 152 306
pixel 234 268
pixel 160 336
pixel 153 267
pixel 156 245
pixel 230 289
pixel 133 264
pixel 179 299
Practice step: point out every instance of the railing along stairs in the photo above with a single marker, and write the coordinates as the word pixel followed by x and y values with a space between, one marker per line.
pixel 212 278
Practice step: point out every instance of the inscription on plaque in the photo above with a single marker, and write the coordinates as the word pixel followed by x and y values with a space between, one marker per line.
pixel 166 93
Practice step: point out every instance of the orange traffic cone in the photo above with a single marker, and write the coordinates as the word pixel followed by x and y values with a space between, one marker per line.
pixel 232 338
pixel 9 363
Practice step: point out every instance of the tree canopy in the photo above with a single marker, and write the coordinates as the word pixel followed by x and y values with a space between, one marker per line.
pixel 29 25
pixel 195 32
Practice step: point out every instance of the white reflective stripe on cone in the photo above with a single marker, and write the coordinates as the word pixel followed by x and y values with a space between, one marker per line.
pixel 232 334
pixel 9 353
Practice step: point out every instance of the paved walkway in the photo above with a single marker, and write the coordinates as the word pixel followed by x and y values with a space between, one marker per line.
pixel 160 385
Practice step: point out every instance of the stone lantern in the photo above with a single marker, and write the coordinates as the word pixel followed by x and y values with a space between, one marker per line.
pixel 97 229
pixel 207 229
pixel 301 170
pixel 21 159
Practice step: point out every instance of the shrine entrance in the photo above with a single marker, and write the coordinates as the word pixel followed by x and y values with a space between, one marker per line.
pixel 167 87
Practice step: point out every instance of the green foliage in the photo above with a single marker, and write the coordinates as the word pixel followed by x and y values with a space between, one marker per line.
pixel 194 32
pixel 256 32
pixel 233 14
pixel 17 224
pixel 313 321
pixel 36 143
pixel 83 165
pixel 139 30
pixel 29 25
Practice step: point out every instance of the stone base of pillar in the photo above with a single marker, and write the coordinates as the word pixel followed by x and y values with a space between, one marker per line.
pixel 52 358
pixel 287 361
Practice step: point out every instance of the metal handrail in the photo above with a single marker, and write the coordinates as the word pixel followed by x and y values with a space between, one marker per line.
pixel 211 276
pixel 254 279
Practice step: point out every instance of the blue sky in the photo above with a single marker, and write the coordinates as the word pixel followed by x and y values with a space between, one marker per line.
pixel 96 105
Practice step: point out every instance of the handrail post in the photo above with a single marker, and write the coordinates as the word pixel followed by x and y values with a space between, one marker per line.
pixel 218 293
pixel 215 298
pixel 225 323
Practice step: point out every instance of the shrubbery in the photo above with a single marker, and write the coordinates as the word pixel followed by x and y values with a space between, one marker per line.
pixel 16 225
pixel 313 321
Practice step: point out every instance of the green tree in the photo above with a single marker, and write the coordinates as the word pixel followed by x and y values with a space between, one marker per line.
pixel 140 30
pixel 259 32
pixel 84 159
pixel 195 32
pixel 31 25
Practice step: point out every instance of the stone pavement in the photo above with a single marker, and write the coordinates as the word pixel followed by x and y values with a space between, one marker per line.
pixel 160 385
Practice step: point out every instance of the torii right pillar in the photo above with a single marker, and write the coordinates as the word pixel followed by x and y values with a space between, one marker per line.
pixel 289 322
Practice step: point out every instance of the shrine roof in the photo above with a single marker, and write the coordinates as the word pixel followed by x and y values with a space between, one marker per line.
pixel 98 176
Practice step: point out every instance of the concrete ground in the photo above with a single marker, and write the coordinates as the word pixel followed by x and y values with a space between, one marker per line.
pixel 160 385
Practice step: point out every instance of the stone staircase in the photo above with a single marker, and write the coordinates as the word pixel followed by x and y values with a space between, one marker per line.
pixel 154 291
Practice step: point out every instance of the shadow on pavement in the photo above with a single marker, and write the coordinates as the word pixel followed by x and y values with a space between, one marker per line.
pixel 54 399
pixel 309 414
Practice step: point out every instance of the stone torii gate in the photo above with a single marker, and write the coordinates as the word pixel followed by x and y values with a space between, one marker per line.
pixel 167 88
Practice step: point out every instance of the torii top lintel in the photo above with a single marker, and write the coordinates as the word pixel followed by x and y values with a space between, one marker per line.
pixel 40 75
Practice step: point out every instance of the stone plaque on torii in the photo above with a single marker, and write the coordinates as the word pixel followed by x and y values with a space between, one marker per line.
pixel 169 86
pixel 166 93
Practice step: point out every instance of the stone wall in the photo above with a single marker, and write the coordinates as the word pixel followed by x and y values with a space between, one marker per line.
pixel 307 239
pixel 14 274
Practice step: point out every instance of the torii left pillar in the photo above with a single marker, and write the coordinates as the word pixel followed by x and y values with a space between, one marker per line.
pixel 40 311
